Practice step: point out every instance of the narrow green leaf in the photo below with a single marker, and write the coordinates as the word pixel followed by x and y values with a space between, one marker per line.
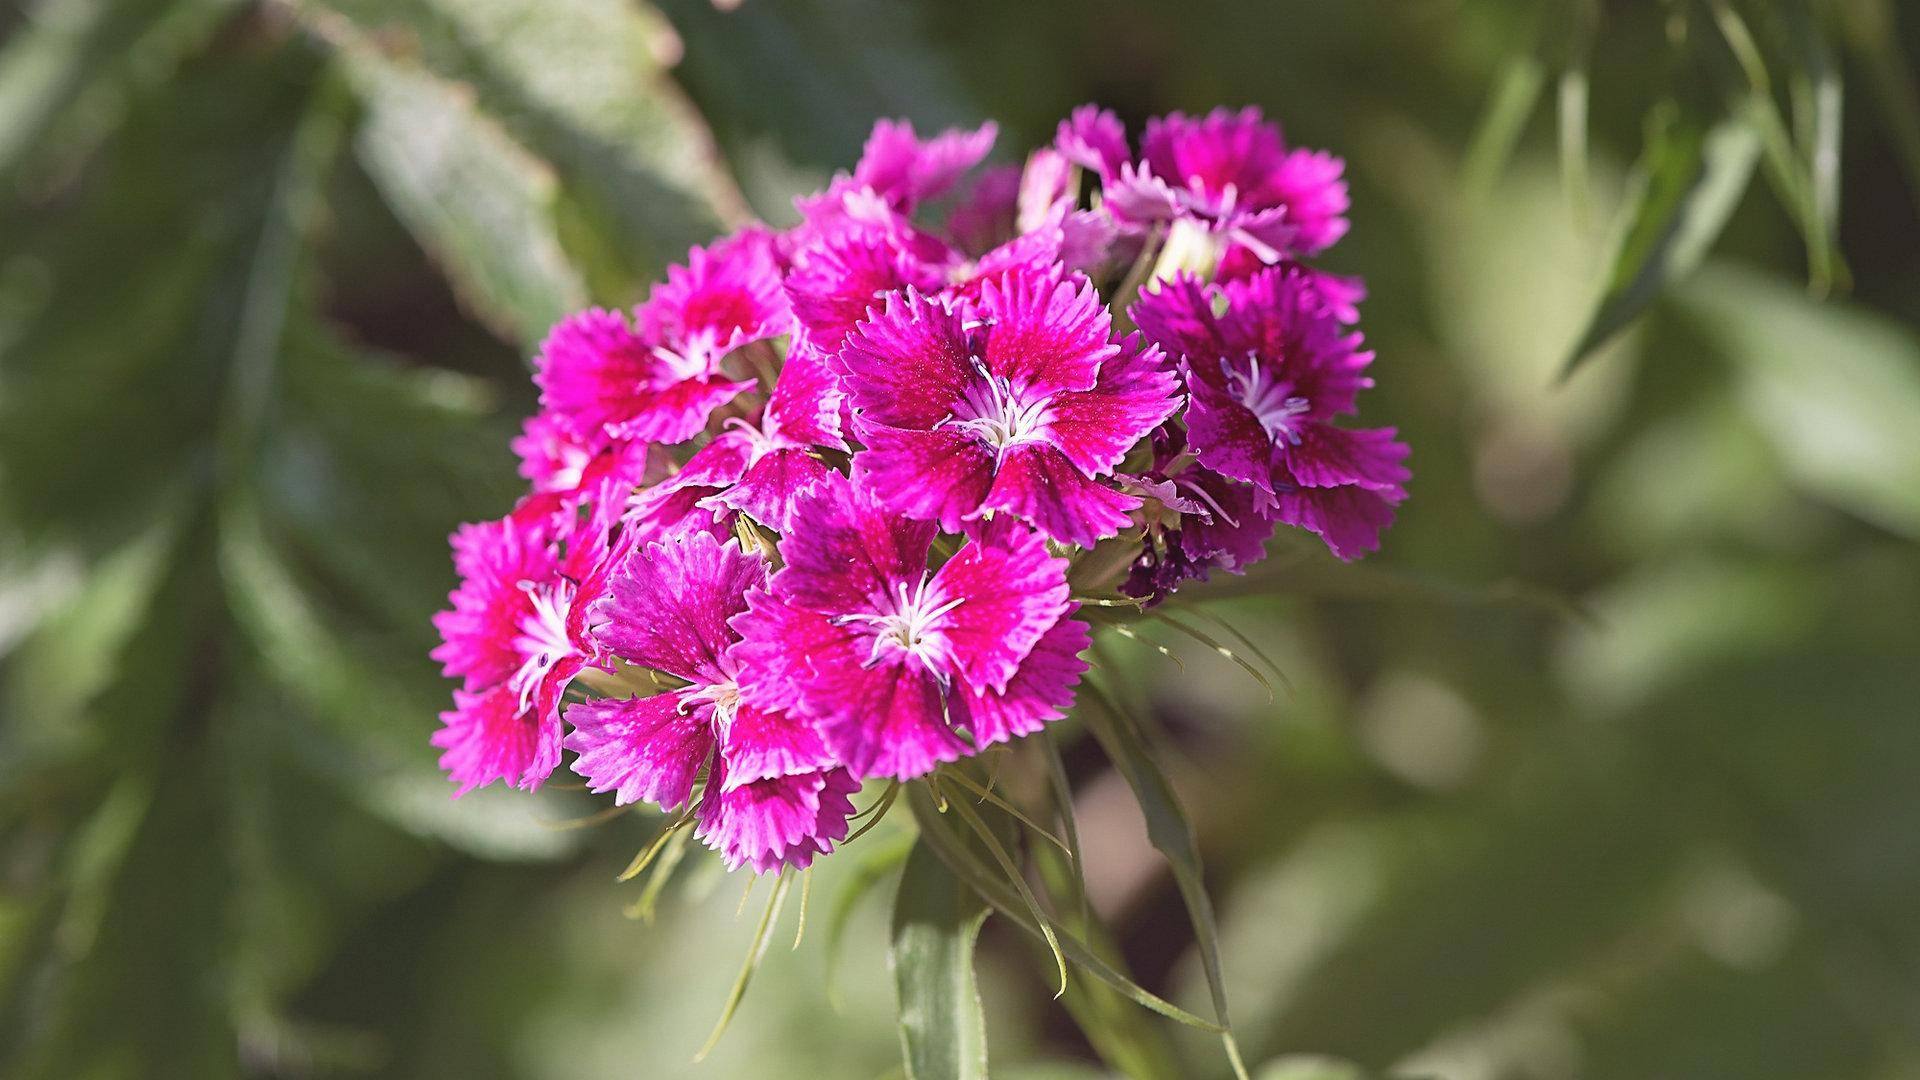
pixel 762 935
pixel 936 920
pixel 987 794
pixel 1069 824
pixel 1690 180
pixel 1171 833
pixel 1010 867
pixel 1213 643
pixel 953 850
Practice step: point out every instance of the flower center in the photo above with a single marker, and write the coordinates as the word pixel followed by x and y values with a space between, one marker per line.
pixel 911 628
pixel 1268 399
pixel 992 410
pixel 543 640
pixel 724 697
pixel 698 358
pixel 761 440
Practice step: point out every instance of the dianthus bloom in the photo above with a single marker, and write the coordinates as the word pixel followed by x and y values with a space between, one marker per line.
pixel 808 515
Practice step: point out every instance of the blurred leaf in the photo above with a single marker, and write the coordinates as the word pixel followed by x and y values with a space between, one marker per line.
pixel 936 920
pixel 1690 180
pixel 1309 1067
pixel 1515 96
pixel 80 58
pixel 483 206
pixel 871 864
pixel 1835 389
pixel 1874 34
pixel 582 84
pixel 1170 833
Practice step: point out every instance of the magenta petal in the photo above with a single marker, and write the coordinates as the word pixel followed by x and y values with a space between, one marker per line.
pixel 670 602
pixel 1232 531
pixel 1037 482
pixel 907 366
pixel 771 488
pixel 716 465
pixel 1045 333
pixel 1039 692
pixel 937 476
pixel 1308 184
pixel 1327 456
pixel 486 738
pixel 1227 437
pixel 639 748
pixel 677 412
pixel 831 825
pixel 851 551
pixel 1136 392
pixel 1009 591
pixel 1093 138
pixel 759 744
pixel 805 404
pixel 907 171
pixel 599 377
pixel 775 640
pixel 1349 519
pixel 754 824
pixel 1178 316
pixel 886 720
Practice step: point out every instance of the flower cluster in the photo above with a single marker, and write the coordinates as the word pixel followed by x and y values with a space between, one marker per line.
pixel 810 514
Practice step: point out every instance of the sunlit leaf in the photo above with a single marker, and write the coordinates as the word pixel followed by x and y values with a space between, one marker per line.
pixel 1834 388
pixel 479 202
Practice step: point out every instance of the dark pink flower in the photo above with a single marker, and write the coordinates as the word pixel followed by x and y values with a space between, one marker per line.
pixel 1218 523
pixel 768 797
pixel 1266 378
pixel 887 657
pixel 1018 406
pixel 1231 173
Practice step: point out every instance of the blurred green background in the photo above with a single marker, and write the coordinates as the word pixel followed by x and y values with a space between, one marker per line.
pixel 1607 766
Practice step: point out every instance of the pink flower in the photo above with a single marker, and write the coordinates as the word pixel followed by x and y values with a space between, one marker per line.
pixel 772 793
pixel 1266 378
pixel 659 380
pixel 893 662
pixel 516 637
pixel 1017 409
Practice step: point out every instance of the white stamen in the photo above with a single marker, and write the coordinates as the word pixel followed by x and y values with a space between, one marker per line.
pixel 997 413
pixel 1268 399
pixel 911 627
pixel 724 697
pixel 543 640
